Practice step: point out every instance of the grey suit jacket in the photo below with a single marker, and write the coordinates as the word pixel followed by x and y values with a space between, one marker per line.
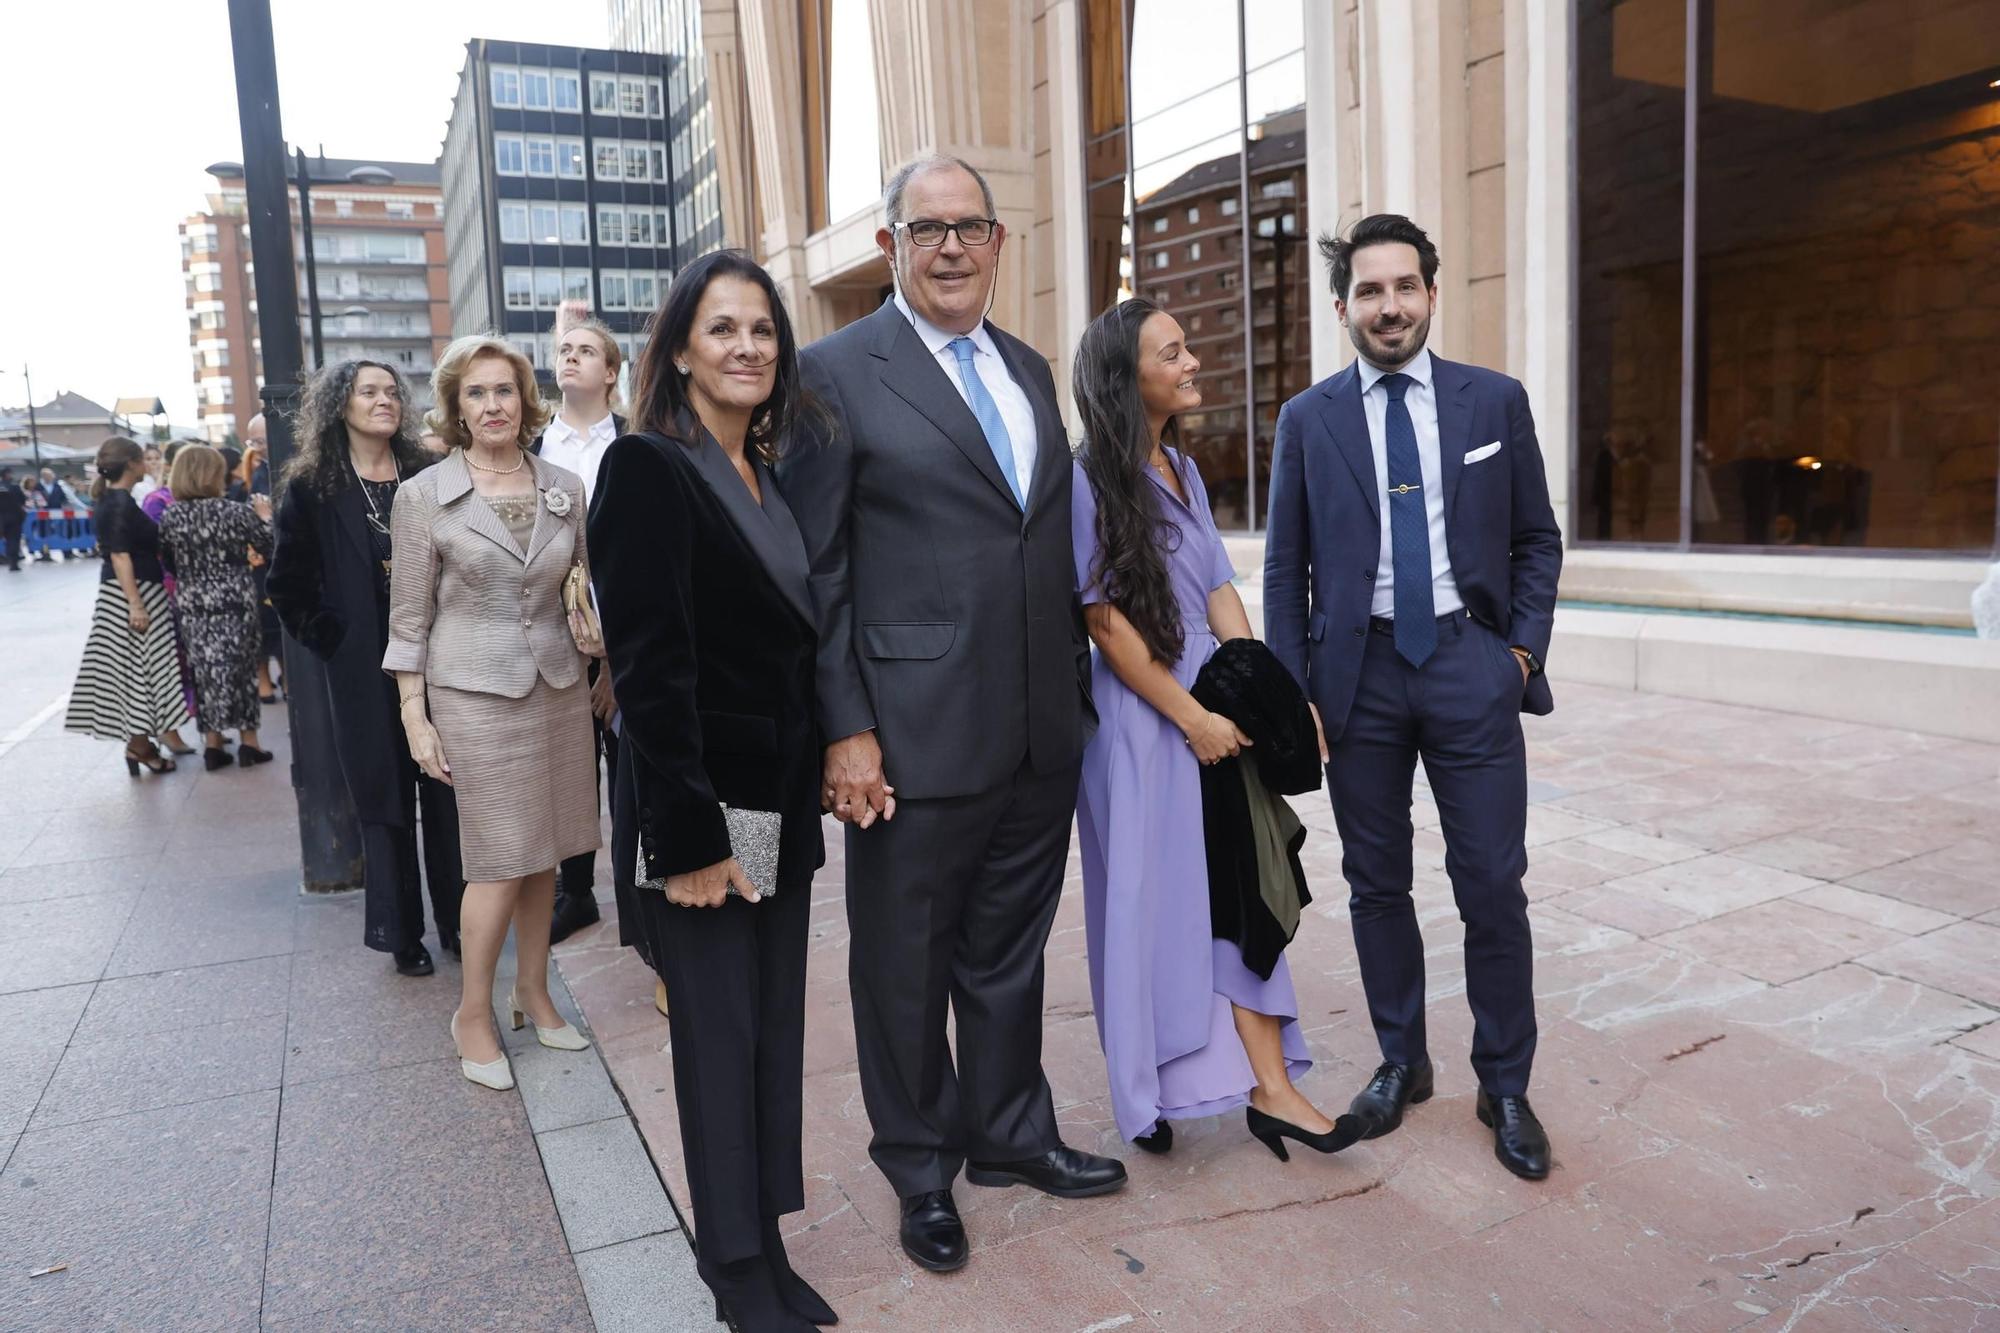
pixel 948 615
pixel 466 607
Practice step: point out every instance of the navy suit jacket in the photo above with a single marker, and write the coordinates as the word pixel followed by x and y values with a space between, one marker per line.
pixel 1325 535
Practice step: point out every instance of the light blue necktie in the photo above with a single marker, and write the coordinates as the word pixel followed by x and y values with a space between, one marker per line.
pixel 988 413
pixel 1409 529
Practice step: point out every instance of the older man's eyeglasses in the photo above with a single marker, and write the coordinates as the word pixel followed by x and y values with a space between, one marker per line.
pixel 930 234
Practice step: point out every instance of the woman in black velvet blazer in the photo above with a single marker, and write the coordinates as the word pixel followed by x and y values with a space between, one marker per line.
pixel 701 583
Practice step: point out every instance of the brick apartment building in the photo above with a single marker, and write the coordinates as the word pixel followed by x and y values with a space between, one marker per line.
pixel 378 252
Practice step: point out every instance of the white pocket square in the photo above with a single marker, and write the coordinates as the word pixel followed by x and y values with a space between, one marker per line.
pixel 1483 451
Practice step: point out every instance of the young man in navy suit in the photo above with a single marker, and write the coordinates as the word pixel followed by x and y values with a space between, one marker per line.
pixel 1410 585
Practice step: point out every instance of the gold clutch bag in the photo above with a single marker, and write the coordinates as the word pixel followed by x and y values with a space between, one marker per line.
pixel 576 600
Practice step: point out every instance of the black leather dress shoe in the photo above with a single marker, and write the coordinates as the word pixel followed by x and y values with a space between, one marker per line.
pixel 1061 1171
pixel 1394 1087
pixel 932 1234
pixel 414 961
pixel 1519 1140
pixel 573 912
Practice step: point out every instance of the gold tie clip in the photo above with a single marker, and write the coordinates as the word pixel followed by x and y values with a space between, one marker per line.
pixel 1404 489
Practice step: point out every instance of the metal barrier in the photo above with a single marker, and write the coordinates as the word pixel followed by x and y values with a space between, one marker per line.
pixel 58 530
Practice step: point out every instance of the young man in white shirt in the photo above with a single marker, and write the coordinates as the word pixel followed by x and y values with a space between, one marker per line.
pixel 587 364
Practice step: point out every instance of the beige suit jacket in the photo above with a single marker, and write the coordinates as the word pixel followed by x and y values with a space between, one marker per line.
pixel 466 607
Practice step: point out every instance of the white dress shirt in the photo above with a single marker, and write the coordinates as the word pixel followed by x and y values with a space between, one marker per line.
pixel 1421 400
pixel 1010 397
pixel 580 452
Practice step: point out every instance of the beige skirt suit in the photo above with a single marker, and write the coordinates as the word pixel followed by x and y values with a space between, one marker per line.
pixel 475 604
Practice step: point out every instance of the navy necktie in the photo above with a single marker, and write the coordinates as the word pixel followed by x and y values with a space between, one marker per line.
pixel 1409 529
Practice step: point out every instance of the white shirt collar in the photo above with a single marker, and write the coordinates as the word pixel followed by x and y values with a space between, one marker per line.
pixel 936 339
pixel 600 432
pixel 1419 369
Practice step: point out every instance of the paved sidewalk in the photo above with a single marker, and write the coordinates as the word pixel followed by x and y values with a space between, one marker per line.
pixel 1768 978
pixel 222 1112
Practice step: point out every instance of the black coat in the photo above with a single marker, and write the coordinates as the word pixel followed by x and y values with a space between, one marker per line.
pixel 708 625
pixel 324 586
pixel 1245 682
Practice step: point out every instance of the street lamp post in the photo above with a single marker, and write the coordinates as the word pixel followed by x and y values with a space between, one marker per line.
pixel 304 183
pixel 329 835
pixel 34 431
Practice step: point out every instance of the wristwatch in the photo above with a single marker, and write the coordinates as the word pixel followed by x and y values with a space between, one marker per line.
pixel 1534 662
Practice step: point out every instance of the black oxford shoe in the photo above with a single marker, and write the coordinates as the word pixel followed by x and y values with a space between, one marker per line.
pixel 573 911
pixel 1394 1087
pixel 1061 1171
pixel 932 1234
pixel 1518 1138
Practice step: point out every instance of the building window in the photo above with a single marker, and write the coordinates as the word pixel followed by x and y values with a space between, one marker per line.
pixel 1159 224
pixel 535 89
pixel 659 155
pixel 1192 287
pixel 343 208
pixel 1229 205
pixel 642 291
pixel 1194 252
pixel 568 91
pixel 1279 189
pixel 506 86
pixel 514 224
pixel 632 97
pixel 664 236
pixel 575 224
pixel 543 225
pixel 613 287
pixel 635 162
pixel 576 284
pixel 604 94
pixel 548 288
pixel 401 208
pixel 1194 213
pixel 610 225
pixel 508 158
pixel 639 227
pixel 541 157
pixel 1843 242
pixel 653 106
pixel 607 159
pixel 1225 278
pixel 525 345
pixel 569 158
pixel 1161 259
pixel 518 284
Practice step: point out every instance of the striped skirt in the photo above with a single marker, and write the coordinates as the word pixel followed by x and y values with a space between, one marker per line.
pixel 129 684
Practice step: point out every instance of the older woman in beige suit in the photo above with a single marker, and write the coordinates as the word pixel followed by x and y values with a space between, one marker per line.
pixel 489 671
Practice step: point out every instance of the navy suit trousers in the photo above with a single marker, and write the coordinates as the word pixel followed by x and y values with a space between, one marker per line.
pixel 1460 713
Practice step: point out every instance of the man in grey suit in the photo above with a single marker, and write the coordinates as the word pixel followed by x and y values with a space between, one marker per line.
pixel 954 694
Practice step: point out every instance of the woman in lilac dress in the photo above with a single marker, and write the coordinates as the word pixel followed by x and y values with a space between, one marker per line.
pixel 1187 1029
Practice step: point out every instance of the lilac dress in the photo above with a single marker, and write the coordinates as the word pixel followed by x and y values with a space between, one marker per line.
pixel 1162 984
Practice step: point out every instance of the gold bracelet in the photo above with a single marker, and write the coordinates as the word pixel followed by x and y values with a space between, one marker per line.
pixel 405 700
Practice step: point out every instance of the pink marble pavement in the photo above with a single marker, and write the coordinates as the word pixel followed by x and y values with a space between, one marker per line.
pixel 1770 1062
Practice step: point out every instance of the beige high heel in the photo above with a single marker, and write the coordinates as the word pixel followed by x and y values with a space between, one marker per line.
pixel 564 1038
pixel 495 1074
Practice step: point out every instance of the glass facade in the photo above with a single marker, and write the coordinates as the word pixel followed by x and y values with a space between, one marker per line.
pixel 1790 335
pixel 1196 165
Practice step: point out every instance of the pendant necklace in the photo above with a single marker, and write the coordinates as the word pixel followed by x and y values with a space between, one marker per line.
pixel 375 518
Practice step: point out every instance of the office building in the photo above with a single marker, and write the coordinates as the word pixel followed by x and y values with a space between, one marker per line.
pixel 560 184
pixel 378 257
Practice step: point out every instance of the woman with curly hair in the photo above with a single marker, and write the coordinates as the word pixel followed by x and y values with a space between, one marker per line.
pixel 1188 1029
pixel 329 581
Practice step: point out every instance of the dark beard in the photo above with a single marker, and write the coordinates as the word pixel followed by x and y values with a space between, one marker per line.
pixel 1371 351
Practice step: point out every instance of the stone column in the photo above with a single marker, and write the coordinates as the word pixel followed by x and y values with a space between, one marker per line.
pixel 729 104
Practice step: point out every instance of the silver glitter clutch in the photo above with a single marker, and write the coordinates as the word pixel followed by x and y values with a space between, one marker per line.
pixel 754 836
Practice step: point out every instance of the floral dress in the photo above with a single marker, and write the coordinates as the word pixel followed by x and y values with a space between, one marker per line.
pixel 206 543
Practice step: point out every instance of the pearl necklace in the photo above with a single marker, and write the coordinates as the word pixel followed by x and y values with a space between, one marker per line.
pixel 496 471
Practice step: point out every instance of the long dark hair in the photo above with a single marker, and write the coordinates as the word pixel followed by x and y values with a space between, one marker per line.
pixel 660 393
pixel 320 430
pixel 1133 533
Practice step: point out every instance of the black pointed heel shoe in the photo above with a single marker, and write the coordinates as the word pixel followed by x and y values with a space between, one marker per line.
pixel 1160 1141
pixel 796 1293
pixel 1272 1133
pixel 747 1299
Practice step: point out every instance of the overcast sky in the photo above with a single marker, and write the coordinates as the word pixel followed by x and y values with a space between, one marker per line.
pixel 114 107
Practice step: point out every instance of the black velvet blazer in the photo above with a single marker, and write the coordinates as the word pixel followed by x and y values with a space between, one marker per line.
pixel 709 629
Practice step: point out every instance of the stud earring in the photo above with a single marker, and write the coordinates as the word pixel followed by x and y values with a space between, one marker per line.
pixel 682 368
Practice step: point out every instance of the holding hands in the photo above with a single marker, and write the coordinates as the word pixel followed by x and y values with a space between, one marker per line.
pixel 853 788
